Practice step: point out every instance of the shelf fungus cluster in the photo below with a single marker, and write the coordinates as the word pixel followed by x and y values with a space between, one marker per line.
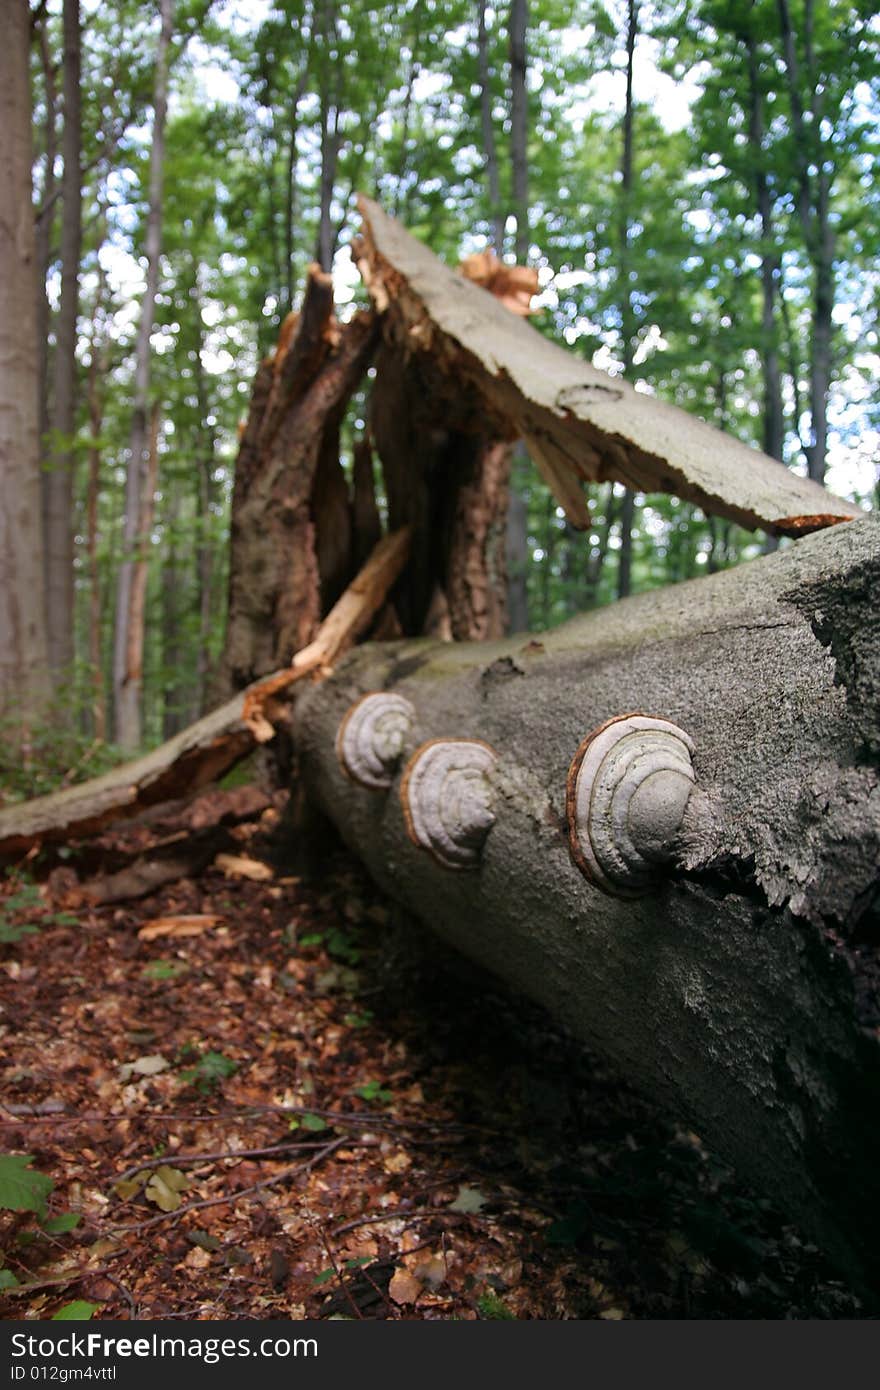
pixel 626 794
pixel 627 791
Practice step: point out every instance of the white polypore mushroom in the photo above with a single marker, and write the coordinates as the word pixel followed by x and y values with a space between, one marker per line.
pixel 628 788
pixel 371 738
pixel 447 799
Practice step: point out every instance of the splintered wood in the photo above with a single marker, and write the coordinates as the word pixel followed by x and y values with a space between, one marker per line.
pixel 207 749
pixel 579 424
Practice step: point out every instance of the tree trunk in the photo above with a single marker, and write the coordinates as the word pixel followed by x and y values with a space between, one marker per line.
pixel 517 563
pixel 519 126
pixel 44 226
pixel 97 371
pixel 23 648
pixel 274 578
pixel 725 963
pixel 773 417
pixel 812 158
pixel 126 683
pixel 445 475
pixel 59 479
pixel 627 318
pixel 490 148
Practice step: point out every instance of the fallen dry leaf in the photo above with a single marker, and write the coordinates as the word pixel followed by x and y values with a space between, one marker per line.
pixel 192 925
pixel 165 1187
pixel 240 866
pixel 404 1287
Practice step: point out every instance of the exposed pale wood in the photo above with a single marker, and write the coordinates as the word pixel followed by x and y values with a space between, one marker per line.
pixel 579 423
pixel 210 747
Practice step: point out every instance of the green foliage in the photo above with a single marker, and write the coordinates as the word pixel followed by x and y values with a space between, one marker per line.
pixel 77 1311
pixel 165 969
pixel 373 1090
pixel 62 1223
pixel 489 1305
pixel 22 1188
pixel 210 1071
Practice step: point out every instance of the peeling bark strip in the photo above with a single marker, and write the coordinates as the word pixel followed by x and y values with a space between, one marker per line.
pixel 742 989
pixel 210 747
pixel 579 423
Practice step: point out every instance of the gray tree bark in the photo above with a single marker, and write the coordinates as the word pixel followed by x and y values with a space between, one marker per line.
pixel 487 126
pixel 23 651
pixel 519 126
pixel 127 683
pixel 59 479
pixel 741 989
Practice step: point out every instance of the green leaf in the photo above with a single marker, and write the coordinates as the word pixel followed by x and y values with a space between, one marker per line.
pixel 165 1187
pixel 11 932
pixel 323 1278
pixel 491 1306
pixel 78 1311
pixel 128 1187
pixel 312 939
pixel 314 1123
pixel 7 1279
pixel 373 1090
pixel 22 1189
pixel 62 1223
pixel 164 969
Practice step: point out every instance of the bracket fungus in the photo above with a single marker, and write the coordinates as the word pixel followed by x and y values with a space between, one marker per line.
pixel 627 791
pixel 370 738
pixel 447 799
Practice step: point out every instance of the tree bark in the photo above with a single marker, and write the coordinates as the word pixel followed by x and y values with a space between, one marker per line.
pixel 59 479
pixel 127 692
pixel 519 126
pixel 23 650
pixel 627 318
pixel 44 225
pixel 741 989
pixel 487 125
pixel 773 417
pixel 274 576
pixel 579 424
pixel 813 158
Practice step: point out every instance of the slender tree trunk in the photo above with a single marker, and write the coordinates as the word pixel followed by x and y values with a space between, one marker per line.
pixel 599 554
pixel 206 448
pixel 814 209
pixel 59 479
pixel 45 223
pixel 517 560
pixel 490 148
pixel 329 157
pixel 773 421
pixel 127 682
pixel 98 365
pixel 135 652
pixel 23 649
pixel 290 189
pixel 174 659
pixel 627 325
pixel 519 121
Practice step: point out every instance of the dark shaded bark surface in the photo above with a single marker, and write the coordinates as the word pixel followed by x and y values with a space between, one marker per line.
pixel 742 991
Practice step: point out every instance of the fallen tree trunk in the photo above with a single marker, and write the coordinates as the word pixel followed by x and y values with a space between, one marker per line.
pixel 721 946
pixel 204 751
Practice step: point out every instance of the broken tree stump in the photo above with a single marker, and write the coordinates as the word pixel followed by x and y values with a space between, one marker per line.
pixel 701 902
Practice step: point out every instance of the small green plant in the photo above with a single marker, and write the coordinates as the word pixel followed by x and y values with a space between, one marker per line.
pixel 210 1071
pixel 314 1123
pixel 373 1090
pixel 78 1311
pixel 22 1188
pixel 489 1305
pixel 164 969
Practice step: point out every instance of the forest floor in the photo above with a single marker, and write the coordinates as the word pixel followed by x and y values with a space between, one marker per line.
pixel 264 1098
